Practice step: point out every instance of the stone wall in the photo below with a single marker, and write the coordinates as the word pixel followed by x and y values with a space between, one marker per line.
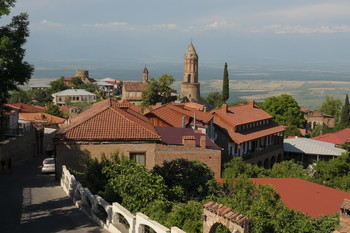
pixel 21 148
pixel 112 217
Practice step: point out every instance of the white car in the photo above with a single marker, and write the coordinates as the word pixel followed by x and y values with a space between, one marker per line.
pixel 48 165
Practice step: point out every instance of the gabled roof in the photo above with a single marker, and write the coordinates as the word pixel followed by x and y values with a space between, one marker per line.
pixel 41 117
pixel 310 198
pixel 134 86
pixel 70 92
pixel 109 120
pixel 172 114
pixel 228 119
pixel 310 146
pixel 337 138
pixel 242 114
pixel 173 136
pixel 26 108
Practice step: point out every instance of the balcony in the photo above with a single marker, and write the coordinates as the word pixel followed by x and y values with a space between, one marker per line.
pixel 265 150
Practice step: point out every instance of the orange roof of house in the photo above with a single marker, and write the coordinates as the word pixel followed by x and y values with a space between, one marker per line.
pixel 26 108
pixel 337 138
pixel 172 114
pixel 134 86
pixel 109 120
pixel 68 79
pixel 41 117
pixel 243 114
pixel 193 105
pixel 310 198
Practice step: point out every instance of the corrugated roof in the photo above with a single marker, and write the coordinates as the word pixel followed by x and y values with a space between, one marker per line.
pixel 73 92
pixel 173 136
pixel 26 108
pixel 310 146
pixel 109 120
pixel 310 198
pixel 337 138
pixel 42 117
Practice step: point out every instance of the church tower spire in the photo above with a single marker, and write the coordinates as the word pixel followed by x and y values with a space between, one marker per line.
pixel 190 87
pixel 145 75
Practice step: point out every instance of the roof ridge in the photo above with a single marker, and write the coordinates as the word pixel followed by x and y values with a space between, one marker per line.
pixel 72 126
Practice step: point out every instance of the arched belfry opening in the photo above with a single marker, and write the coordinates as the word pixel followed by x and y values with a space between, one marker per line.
pixel 215 214
pixel 190 85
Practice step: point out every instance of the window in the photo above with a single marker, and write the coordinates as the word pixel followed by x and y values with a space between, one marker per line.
pixel 138 157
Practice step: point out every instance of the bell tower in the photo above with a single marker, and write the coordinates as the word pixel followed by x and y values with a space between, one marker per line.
pixel 190 86
pixel 145 75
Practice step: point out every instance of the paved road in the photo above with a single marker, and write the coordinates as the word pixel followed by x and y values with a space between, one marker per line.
pixel 32 202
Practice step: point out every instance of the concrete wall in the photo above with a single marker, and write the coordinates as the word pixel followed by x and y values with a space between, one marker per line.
pixel 105 215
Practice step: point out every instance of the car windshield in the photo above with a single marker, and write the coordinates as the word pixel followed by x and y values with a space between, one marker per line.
pixel 49 161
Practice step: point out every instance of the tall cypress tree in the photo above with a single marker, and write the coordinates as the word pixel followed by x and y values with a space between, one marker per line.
pixel 345 117
pixel 225 85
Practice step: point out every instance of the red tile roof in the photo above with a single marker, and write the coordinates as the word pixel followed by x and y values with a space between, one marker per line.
pixel 337 138
pixel 310 198
pixel 109 120
pixel 172 114
pixel 26 108
pixel 41 117
pixel 243 114
pixel 173 136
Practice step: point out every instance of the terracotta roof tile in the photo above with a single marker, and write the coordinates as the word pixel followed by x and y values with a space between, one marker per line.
pixel 337 138
pixel 243 114
pixel 310 198
pixel 43 117
pixel 109 120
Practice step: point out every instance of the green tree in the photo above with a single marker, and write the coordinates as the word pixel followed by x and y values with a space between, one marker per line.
pixel 158 91
pixel 136 186
pixel 345 117
pixel 19 96
pixel 292 131
pixel 54 110
pixel 40 97
pixel 287 169
pixel 225 85
pixel 76 81
pixel 13 70
pixel 215 99
pixel 331 106
pixel 236 168
pixel 58 85
pixel 180 173
pixel 285 110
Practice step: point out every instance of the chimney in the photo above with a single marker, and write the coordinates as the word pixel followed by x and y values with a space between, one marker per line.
pixel 183 121
pixel 224 107
pixel 251 103
pixel 203 141
pixel 189 141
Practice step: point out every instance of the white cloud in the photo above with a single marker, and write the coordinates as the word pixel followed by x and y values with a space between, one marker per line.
pixel 312 12
pixel 164 26
pixel 50 23
pixel 298 29
pixel 220 24
pixel 111 25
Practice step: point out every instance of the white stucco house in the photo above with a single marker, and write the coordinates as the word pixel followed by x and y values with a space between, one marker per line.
pixel 74 96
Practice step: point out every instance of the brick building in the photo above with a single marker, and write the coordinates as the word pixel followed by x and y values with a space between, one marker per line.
pixel 132 90
pixel 249 132
pixel 109 126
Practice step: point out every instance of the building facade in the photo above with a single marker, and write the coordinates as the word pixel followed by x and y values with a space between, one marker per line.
pixel 73 96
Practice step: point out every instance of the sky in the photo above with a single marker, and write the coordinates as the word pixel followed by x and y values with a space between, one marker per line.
pixel 93 34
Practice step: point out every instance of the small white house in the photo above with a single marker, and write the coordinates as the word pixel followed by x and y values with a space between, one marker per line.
pixel 73 96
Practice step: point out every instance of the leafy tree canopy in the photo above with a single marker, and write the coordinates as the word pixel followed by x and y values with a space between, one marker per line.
pixel 345 117
pixel 181 173
pixel 215 99
pixel 331 106
pixel 54 110
pixel 285 110
pixel 158 91
pixel 13 70
pixel 58 85
pixel 19 96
